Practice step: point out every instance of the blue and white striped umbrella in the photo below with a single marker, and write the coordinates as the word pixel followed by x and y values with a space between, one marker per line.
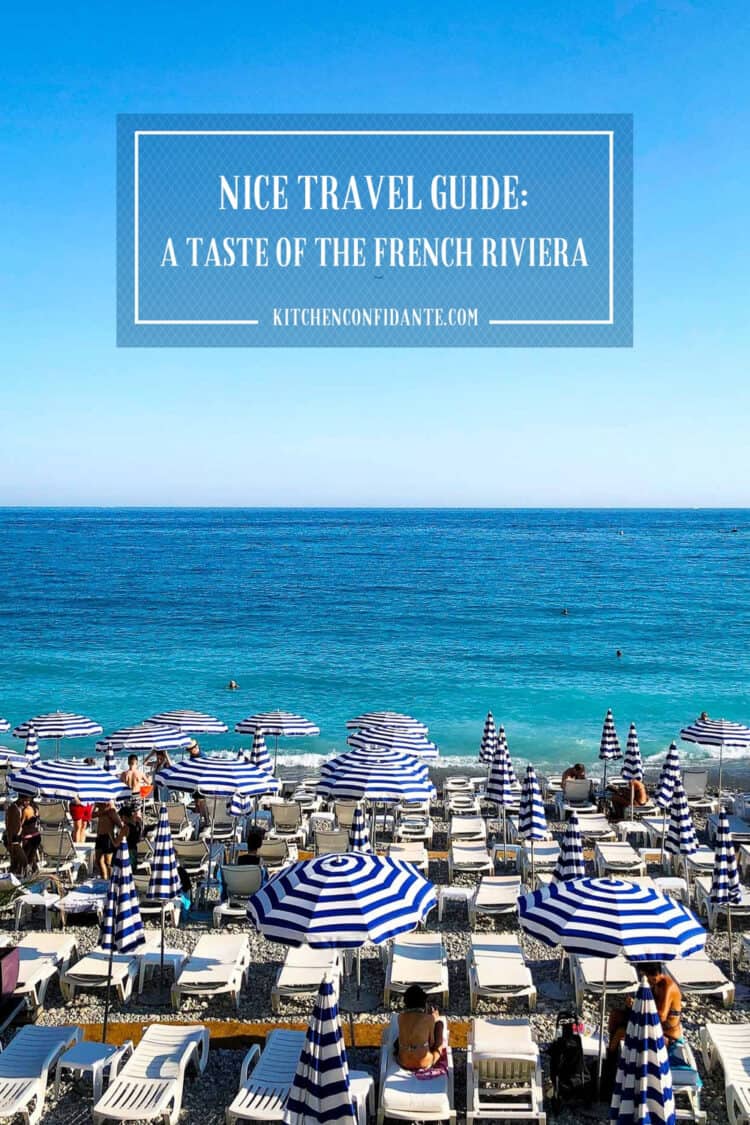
pixel 488 744
pixel 58 725
pixel 216 777
pixel 609 744
pixel 164 882
pixel 717 732
pixel 632 766
pixel 63 780
pixel 320 1093
pixel 668 778
pixel 4 726
pixel 110 764
pixel 726 889
pixel 359 837
pixel 390 720
pixel 605 917
pixel 500 782
pixel 571 864
pixel 145 737
pixel 532 823
pixel 259 756
pixel 340 901
pixel 381 777
pixel 381 738
pixel 681 838
pixel 503 741
pixel 643 1092
pixel 31 753
pixel 239 805
pixel 281 724
pixel 190 722
pixel 122 927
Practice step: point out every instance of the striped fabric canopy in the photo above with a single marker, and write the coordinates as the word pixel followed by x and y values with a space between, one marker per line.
pixel 60 724
pixel 391 720
pixel 63 780
pixel 609 745
pixel 239 805
pixel 725 884
pixel 190 722
pixel 31 753
pixel 281 724
pixel 532 823
pixel 604 917
pixel 632 766
pixel 320 1090
pixel 488 744
pixel 503 741
pixel 216 777
pixel 145 736
pixel 110 764
pixel 681 838
pixel 259 756
pixel 643 1086
pixel 669 778
pixel 359 837
pixel 4 726
pixel 571 863
pixel 122 928
pixel 384 739
pixel 340 901
pixel 384 777
pixel 500 782
pixel 717 732
pixel 164 882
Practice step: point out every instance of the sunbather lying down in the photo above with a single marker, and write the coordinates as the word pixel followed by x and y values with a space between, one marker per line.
pixel 421 1033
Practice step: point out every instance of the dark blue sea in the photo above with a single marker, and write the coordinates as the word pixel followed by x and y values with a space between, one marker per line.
pixel 441 613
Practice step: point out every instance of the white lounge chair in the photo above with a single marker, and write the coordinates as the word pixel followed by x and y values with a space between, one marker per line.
pixel 464 828
pixel 329 841
pixel 729 1044
pixel 496 969
pixel 695 782
pixel 149 1086
pixel 302 972
pixel 700 976
pixel 743 858
pixel 575 796
pixel 587 975
pixel 406 1097
pixel 618 859
pixel 739 829
pixel 217 967
pixel 703 904
pixel 192 855
pixel 152 908
pixel 595 828
pixel 495 895
pixel 41 956
pixel 417 959
pixel 414 853
pixel 239 883
pixel 545 854
pixel 179 824
pixel 25 1065
pixel 92 970
pixel 689 867
pixel 288 822
pixel 275 854
pixel 503 1072
pixel 468 858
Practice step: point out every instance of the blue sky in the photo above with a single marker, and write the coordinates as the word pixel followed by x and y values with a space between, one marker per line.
pixel 662 424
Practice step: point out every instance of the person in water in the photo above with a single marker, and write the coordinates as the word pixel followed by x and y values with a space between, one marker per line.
pixel 421 1043
pixel 233 686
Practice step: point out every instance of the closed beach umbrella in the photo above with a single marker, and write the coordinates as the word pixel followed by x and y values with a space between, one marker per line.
pixel 571 863
pixel 643 1086
pixel 4 726
pixel 383 739
pixel 190 722
pixel 31 753
pixel 122 927
pixel 110 764
pixel 391 720
pixel 61 780
pixel 725 884
pixel 281 724
pixel 532 823
pixel 59 725
pixel 681 838
pixel 669 778
pixel 144 738
pixel 609 746
pixel 239 805
pixel 632 766
pixel 717 732
pixel 359 839
pixel 489 741
pixel 500 785
pixel 259 756
pixel 164 882
pixel 320 1093
pixel 503 741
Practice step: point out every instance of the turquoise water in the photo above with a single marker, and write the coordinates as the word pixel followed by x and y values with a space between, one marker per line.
pixel 444 614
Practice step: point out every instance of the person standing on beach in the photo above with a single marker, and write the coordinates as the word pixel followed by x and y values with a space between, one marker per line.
pixel 109 831
pixel 135 779
pixel 22 835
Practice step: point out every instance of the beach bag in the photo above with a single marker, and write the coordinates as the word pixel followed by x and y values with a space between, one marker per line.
pixel 569 1071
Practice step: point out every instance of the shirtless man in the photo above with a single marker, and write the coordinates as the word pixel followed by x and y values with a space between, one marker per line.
pixel 134 778
pixel 421 1040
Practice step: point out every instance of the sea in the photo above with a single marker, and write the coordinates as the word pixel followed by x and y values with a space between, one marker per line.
pixel 545 617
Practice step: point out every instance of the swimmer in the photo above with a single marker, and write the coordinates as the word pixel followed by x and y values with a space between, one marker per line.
pixel 233 685
pixel 564 613
pixel 618 654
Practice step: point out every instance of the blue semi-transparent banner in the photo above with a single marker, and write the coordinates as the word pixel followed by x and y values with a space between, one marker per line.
pixel 375 231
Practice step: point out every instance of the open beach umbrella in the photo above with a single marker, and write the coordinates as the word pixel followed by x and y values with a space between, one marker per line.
pixel 571 864
pixel 359 839
pixel 58 725
pixel 681 838
pixel 669 778
pixel 320 1093
pixel 190 722
pixel 380 777
pixel 489 741
pixel 390 720
pixel 144 738
pixel 609 746
pixel 281 724
pixel 725 883
pixel 717 732
pixel 532 823
pixel 643 1092
pixel 384 739
pixel 605 917
pixel 259 756
pixel 239 805
pixel 31 753
pixel 61 781
pixel 500 785
pixel 164 882
pixel 122 927
pixel 632 766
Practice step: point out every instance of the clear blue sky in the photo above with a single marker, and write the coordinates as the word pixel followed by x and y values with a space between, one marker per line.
pixel 662 424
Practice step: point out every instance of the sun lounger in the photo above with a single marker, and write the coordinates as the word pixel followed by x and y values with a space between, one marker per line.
pixel 743 858
pixel 152 908
pixel 92 970
pixel 302 972
pixel 503 1073
pixel 546 855
pixel 513 837
pixel 496 970
pixel 464 828
pixel 239 883
pixel 700 976
pixel 417 959
pixel 587 975
pixel 405 1097
pixel 149 1086
pixel 330 841
pixel 414 853
pixel 41 956
pixel 575 795
pixel 739 829
pixel 703 904
pixel 468 858
pixel 413 828
pixel 729 1044
pixel 217 967
pixel 495 895
pixel 24 1067
pixel 595 828
pixel 690 866
pixel 618 859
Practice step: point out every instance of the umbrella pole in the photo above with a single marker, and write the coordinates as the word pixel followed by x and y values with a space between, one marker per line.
pixel 663 836
pixel 604 786
pixel 108 993
pixel 533 874
pixel 602 1014
pixel 161 968
pixel 721 765
pixel 729 935
pixel 276 752
pixel 211 848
